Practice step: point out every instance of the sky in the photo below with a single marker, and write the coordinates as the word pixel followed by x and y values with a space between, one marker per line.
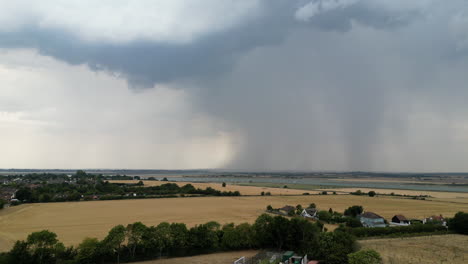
pixel 340 85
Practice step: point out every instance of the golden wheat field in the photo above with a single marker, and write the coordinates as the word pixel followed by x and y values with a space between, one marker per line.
pixel 449 249
pixel 244 190
pixel 445 195
pixel 73 221
pixel 216 258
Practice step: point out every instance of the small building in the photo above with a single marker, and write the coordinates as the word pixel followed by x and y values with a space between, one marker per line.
pixel 400 220
pixel 309 213
pixel 370 219
pixel 290 258
pixel 286 210
pixel 435 220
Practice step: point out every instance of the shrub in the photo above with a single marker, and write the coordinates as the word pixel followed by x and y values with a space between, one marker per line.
pixel 354 211
pixel 372 193
pixel 396 230
pixel 369 256
pixel 459 223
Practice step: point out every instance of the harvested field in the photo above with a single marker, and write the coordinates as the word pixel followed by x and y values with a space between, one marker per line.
pixel 73 221
pixel 217 258
pixel 244 190
pixel 443 195
pixel 451 249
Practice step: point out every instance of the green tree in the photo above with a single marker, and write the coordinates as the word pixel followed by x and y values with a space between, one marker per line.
pixel 353 222
pixel 269 208
pixel 224 184
pixel 354 211
pixel 134 235
pixel 368 256
pixel 42 245
pixel 114 240
pixel 371 193
pixel 88 251
pixel 312 205
pixel 81 174
pixel 236 237
pixel 180 237
pixel 459 223
pixel 324 216
pixel 263 230
pixel 20 253
pixel 334 247
pixel 24 194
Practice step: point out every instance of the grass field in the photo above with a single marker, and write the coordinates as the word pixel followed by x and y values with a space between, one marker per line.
pixel 73 221
pixel 244 190
pixel 217 258
pixel 445 195
pixel 450 249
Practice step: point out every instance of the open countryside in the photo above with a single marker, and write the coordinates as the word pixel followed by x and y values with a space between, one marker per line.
pixel 244 190
pixel 73 221
pixel 426 249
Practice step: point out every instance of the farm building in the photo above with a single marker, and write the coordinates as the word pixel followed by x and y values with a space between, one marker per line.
pixel 370 219
pixel 290 258
pixel 287 210
pixel 435 219
pixel 400 220
pixel 309 213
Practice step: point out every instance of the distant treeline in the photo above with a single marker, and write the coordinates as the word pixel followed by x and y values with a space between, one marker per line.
pixel 137 242
pixel 82 186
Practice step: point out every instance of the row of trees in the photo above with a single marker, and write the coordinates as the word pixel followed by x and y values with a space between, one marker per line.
pixel 140 242
pixel 74 192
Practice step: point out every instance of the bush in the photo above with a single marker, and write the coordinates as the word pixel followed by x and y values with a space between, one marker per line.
pixel 459 223
pixel 369 256
pixel 371 193
pixel 354 211
pixel 334 247
pixel 396 230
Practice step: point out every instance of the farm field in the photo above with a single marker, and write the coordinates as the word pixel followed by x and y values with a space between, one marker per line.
pixel 244 190
pixel 73 221
pixel 451 249
pixel 444 195
pixel 216 258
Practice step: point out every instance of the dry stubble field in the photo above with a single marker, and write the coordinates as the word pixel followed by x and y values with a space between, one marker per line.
pixel 450 249
pixel 244 190
pixel 73 221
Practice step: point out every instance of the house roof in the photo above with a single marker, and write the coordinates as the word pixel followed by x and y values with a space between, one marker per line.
pixel 400 217
pixel 311 211
pixel 436 218
pixel 370 215
pixel 288 208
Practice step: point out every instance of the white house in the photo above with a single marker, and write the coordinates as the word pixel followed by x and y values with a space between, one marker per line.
pixel 309 213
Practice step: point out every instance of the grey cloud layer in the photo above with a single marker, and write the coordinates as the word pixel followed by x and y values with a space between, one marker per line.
pixel 339 87
pixel 145 63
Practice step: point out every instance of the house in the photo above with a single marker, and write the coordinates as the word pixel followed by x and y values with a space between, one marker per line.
pixel 287 210
pixel 290 258
pixel 370 219
pixel 400 220
pixel 435 220
pixel 309 213
pixel 7 194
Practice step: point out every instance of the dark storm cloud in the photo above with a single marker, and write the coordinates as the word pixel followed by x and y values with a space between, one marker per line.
pixel 309 93
pixel 145 63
